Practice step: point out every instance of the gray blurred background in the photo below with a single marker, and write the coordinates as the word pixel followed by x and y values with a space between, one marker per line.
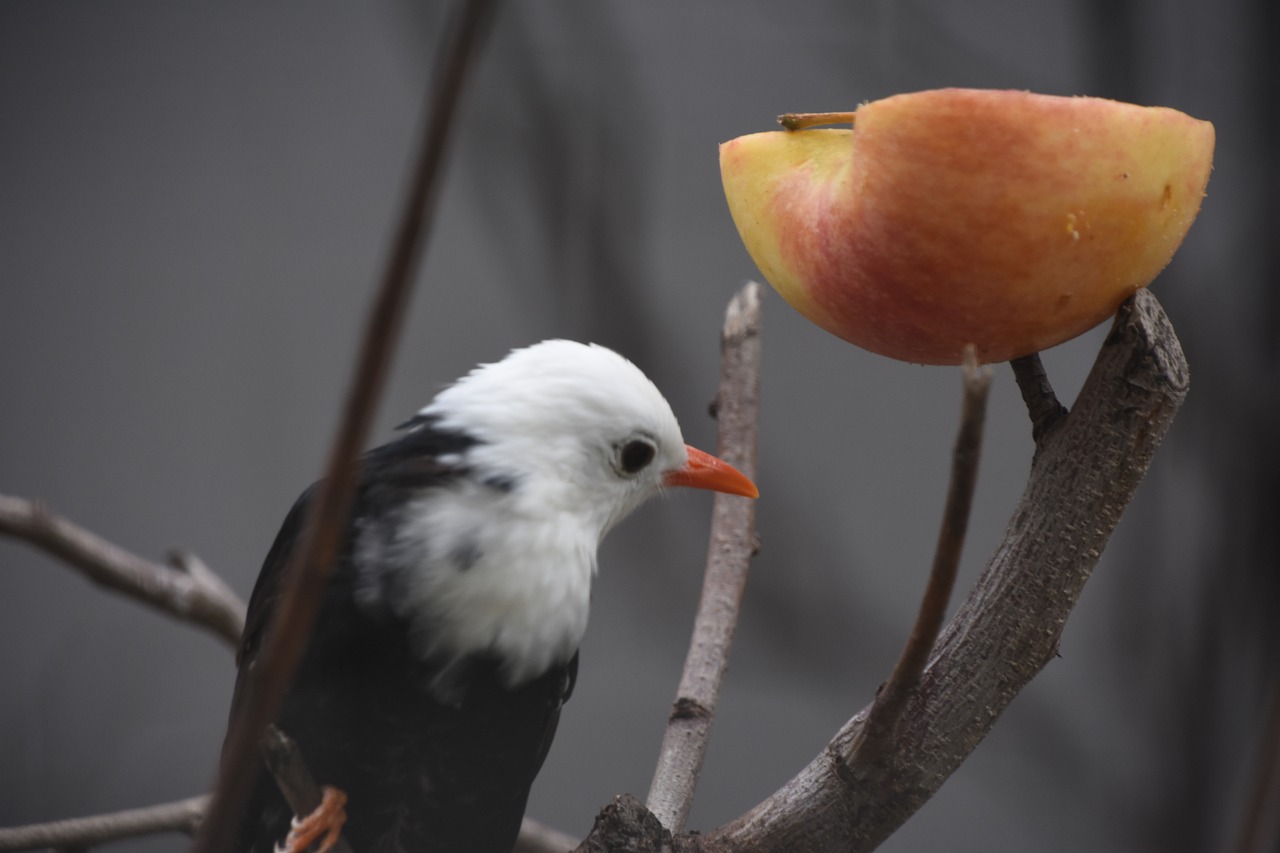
pixel 195 201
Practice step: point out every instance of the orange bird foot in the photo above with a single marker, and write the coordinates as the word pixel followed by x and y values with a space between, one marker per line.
pixel 325 824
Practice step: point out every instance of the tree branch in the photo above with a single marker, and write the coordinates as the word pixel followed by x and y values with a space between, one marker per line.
pixel 308 571
pixel 189 591
pixel 186 591
pixel 733 542
pixel 880 732
pixel 294 780
pixel 626 826
pixel 181 816
pixel 1083 475
pixel 185 816
pixel 536 837
pixel 1042 404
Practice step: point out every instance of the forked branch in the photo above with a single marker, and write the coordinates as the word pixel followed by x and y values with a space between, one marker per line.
pixel 1084 474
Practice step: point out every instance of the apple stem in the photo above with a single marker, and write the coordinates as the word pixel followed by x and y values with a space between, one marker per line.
pixel 800 121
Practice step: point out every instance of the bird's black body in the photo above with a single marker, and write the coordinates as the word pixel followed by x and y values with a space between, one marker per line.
pixel 447 639
pixel 422 773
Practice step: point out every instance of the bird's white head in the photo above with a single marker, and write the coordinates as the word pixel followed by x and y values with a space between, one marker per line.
pixel 563 440
pixel 581 426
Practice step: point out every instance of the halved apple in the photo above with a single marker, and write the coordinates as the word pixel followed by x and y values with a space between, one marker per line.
pixel 1005 219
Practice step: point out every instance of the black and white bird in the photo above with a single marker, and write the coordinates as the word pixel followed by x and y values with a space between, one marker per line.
pixel 448 638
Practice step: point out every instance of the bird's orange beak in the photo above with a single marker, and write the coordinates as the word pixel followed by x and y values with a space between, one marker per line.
pixel 704 471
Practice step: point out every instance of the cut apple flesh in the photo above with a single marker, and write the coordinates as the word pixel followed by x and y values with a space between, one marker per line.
pixel 1009 220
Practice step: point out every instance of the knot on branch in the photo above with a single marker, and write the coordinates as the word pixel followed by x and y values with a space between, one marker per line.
pixel 840 767
pixel 686 708
pixel 626 826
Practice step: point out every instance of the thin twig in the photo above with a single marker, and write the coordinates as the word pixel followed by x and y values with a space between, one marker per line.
pixel 181 816
pixel 294 780
pixel 308 571
pixel 733 542
pixel 1042 404
pixel 187 591
pixel 878 733
pixel 185 816
pixel 536 837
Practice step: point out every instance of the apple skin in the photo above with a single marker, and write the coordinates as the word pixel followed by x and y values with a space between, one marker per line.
pixel 1006 219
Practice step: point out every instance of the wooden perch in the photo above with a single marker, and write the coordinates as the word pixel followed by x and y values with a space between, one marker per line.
pixel 293 778
pixel 1087 466
pixel 1085 472
pixel 733 543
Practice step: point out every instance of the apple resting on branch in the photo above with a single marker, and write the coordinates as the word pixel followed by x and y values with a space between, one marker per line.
pixel 1006 219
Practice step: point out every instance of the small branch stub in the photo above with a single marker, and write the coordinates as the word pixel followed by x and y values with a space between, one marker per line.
pixel 293 778
pixel 1042 404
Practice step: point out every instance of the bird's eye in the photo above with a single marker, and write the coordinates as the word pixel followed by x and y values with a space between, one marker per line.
pixel 635 454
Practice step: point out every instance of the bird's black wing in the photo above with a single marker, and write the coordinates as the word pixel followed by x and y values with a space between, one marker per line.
pixel 420 774
pixel 268 585
pixel 411 463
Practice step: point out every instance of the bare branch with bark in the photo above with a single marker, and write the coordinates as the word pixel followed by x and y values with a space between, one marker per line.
pixel 186 590
pixel 1086 468
pixel 294 780
pixel 733 543
pixel 185 816
pixel 1037 394
pixel 882 729
pixel 83 832
pixel 1084 474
